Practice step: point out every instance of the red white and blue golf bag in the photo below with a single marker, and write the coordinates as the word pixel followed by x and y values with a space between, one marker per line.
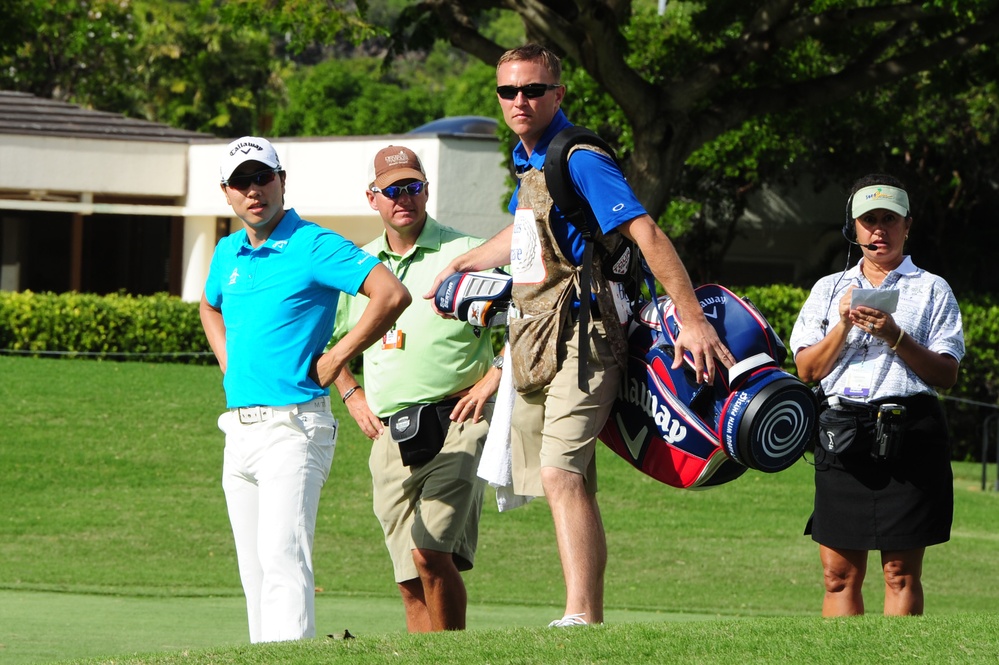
pixel 692 435
pixel 683 433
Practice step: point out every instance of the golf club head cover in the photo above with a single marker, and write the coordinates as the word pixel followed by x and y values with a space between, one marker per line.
pixel 475 297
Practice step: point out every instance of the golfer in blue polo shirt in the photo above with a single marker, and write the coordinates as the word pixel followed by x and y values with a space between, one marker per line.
pixel 268 310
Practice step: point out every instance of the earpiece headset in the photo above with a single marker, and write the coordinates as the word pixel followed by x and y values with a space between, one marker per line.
pixel 850 233
pixel 850 230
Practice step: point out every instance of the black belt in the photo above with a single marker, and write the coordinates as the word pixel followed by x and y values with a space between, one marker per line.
pixel 922 402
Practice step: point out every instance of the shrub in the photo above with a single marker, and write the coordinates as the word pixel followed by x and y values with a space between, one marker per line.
pixel 158 328
pixel 163 328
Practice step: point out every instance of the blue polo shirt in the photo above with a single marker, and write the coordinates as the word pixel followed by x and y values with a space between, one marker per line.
pixel 278 303
pixel 595 177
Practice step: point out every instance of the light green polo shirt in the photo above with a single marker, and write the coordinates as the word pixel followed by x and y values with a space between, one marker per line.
pixel 439 356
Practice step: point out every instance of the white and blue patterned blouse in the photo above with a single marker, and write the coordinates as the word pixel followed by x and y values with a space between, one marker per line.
pixel 927 311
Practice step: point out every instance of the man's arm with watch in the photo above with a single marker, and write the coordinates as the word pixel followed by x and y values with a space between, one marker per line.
pixel 472 403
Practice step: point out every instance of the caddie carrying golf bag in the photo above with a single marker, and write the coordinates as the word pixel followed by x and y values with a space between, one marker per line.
pixel 683 433
pixel 691 435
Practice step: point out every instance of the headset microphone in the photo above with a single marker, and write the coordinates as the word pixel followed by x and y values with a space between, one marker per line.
pixel 848 231
pixel 871 247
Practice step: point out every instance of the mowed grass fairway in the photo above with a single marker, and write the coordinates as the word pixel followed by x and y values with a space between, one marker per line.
pixel 114 541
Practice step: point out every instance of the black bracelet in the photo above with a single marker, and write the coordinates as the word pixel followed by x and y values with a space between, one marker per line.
pixel 350 392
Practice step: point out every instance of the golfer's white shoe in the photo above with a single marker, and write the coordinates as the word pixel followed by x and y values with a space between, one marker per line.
pixel 569 620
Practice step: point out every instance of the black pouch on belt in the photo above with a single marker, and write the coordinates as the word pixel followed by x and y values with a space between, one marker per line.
pixel 840 428
pixel 420 430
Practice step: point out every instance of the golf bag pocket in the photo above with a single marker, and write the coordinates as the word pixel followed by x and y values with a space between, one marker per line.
pixel 839 429
pixel 420 430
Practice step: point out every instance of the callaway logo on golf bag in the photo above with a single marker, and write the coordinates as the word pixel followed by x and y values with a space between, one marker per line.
pixel 692 435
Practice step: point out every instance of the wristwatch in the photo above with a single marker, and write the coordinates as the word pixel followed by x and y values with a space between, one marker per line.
pixel 498 361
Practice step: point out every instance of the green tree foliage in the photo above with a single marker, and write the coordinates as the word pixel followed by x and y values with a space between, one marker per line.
pixel 466 86
pixel 204 74
pixel 17 16
pixel 936 131
pixel 193 64
pixel 347 97
pixel 711 99
pixel 361 96
pixel 72 50
pixel 301 25
pixel 706 104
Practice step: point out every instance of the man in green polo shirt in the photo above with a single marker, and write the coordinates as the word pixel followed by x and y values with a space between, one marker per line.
pixel 429 508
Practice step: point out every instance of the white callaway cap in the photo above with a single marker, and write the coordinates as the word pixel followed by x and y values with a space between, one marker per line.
pixel 248 149
pixel 880 196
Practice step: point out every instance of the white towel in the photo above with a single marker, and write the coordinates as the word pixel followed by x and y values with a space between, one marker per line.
pixel 495 466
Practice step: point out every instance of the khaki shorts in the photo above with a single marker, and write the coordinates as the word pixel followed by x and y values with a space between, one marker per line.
pixel 557 426
pixel 434 506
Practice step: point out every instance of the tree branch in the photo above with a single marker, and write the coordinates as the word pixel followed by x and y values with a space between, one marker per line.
pixel 458 27
pixel 767 34
pixel 740 105
pixel 589 34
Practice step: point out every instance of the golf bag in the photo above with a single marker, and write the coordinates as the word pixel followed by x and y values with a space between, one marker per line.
pixel 692 435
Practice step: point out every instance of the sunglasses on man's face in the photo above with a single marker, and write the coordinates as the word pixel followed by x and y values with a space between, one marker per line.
pixel 395 191
pixel 260 178
pixel 531 90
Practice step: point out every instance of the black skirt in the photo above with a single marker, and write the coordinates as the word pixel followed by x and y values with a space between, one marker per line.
pixel 862 503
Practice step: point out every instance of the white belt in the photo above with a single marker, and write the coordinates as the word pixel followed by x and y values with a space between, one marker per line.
pixel 256 414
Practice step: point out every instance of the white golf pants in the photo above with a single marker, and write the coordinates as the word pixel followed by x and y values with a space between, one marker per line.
pixel 272 474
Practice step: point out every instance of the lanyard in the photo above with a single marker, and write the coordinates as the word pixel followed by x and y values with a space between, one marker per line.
pixel 402 267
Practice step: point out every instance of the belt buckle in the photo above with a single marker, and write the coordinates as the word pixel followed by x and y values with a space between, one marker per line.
pixel 254 414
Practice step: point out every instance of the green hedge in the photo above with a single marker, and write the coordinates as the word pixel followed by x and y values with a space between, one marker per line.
pixel 163 328
pixel 158 328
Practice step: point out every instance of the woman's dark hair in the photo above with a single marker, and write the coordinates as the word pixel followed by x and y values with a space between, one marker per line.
pixel 876 179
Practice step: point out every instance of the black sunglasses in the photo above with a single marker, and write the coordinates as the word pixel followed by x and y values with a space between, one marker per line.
pixel 260 178
pixel 531 90
pixel 395 191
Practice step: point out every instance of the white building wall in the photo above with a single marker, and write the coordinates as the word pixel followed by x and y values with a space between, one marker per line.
pixel 66 164
pixel 326 181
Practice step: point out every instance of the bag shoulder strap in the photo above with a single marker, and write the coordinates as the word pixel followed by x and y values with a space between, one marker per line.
pixel 578 212
pixel 559 181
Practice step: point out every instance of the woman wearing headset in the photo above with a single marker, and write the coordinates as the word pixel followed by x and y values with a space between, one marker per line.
pixel 884 486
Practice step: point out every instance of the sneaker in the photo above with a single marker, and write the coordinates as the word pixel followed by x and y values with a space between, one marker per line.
pixel 568 621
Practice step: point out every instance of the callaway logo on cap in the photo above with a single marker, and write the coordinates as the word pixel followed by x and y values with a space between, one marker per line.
pixel 248 149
